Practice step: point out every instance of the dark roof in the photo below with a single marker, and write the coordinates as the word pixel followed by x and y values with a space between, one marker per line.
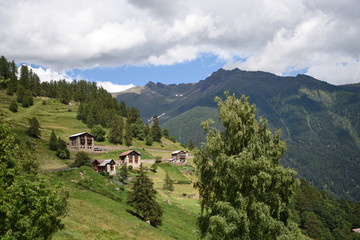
pixel 128 152
pixel 79 134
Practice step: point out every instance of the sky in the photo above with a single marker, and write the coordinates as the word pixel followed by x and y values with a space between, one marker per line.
pixel 125 43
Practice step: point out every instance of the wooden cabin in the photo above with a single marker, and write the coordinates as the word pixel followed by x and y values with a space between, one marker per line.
pixel 81 141
pixel 107 165
pixel 178 156
pixel 130 158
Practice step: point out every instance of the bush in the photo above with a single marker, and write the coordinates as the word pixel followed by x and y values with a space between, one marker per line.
pixel 158 159
pixel 82 158
pixel 99 133
pixel 13 106
pixel 130 168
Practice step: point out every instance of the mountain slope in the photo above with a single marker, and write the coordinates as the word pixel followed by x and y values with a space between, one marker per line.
pixel 320 122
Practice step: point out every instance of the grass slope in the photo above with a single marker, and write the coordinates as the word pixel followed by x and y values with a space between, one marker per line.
pixel 97 205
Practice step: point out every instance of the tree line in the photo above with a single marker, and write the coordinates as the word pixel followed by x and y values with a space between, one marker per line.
pixel 97 107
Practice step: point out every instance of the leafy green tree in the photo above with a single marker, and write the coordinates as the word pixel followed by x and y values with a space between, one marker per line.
pixel 81 159
pixel 31 207
pixel 99 133
pixel 191 145
pixel 116 130
pixel 13 106
pixel 143 199
pixel 128 133
pixel 168 183
pixel 53 141
pixel 156 130
pixel 244 191
pixel 34 128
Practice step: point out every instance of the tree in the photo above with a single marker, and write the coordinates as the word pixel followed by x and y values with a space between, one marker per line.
pixel 123 173
pixel 116 130
pixel 156 130
pixel 31 207
pixel 13 106
pixel 244 192
pixel 99 133
pixel 165 133
pixel 128 133
pixel 34 128
pixel 143 199
pixel 168 183
pixel 191 145
pixel 53 141
pixel 81 159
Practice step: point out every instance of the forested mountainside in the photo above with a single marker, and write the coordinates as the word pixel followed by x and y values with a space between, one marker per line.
pixel 320 122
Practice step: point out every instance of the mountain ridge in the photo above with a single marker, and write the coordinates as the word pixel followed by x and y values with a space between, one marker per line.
pixel 320 122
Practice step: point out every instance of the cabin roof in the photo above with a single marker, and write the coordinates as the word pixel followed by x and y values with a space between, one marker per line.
pixel 128 152
pixel 356 230
pixel 176 152
pixel 79 134
pixel 104 162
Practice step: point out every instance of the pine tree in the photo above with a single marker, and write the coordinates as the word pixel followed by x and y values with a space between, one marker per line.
pixel 53 141
pixel 128 133
pixel 191 145
pixel 143 199
pixel 34 128
pixel 13 106
pixel 168 183
pixel 156 130
pixel 116 130
pixel 24 77
pixel 244 191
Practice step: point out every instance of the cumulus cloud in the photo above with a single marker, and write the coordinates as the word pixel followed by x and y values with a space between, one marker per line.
pixel 277 36
pixel 114 88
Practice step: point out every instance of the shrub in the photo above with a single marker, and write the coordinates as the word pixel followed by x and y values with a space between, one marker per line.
pixel 158 159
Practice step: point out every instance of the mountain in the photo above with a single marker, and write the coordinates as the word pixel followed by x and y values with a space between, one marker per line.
pixel 320 122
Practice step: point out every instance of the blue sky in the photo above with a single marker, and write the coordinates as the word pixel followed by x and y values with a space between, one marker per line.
pixel 188 72
pixel 125 43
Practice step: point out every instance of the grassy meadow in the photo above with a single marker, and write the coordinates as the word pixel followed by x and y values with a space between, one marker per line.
pixel 97 205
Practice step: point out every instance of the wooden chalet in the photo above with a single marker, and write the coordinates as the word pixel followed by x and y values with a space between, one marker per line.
pixel 81 141
pixel 130 158
pixel 178 156
pixel 107 165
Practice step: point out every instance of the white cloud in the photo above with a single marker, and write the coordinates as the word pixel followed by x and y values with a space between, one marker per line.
pixel 113 88
pixel 276 36
pixel 46 75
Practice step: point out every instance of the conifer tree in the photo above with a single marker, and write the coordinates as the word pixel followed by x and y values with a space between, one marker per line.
pixel 244 191
pixel 191 145
pixel 128 133
pixel 168 183
pixel 143 199
pixel 156 130
pixel 53 141
pixel 116 130
pixel 34 128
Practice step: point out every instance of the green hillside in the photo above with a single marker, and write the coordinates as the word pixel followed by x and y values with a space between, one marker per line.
pixel 320 122
pixel 97 205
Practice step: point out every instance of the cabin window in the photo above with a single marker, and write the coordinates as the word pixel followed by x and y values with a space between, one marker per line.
pixel 73 142
pixel 82 140
pixel 130 159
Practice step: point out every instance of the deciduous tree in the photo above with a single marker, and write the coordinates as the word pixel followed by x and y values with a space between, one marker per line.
pixel 244 191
